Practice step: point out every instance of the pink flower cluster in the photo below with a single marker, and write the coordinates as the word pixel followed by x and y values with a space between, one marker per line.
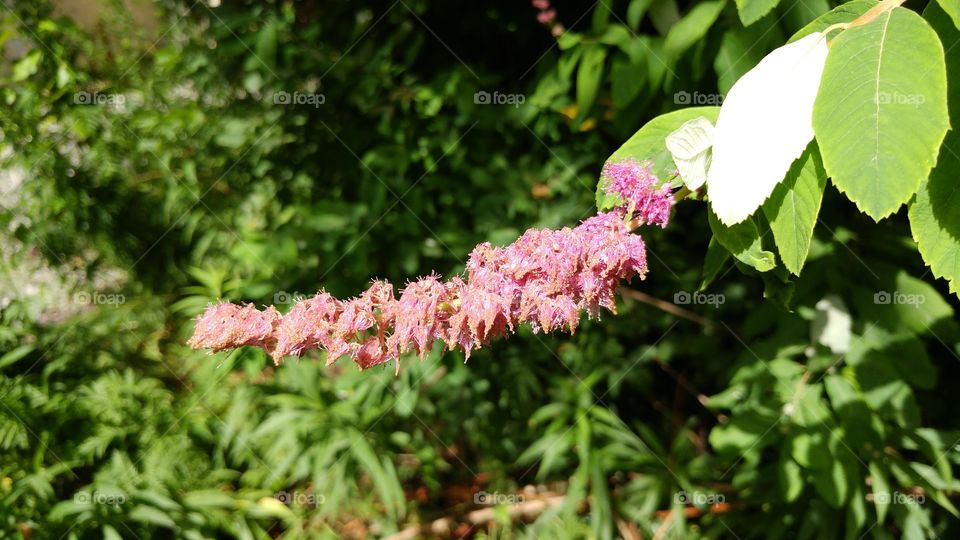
pixel 637 187
pixel 547 278
pixel 547 16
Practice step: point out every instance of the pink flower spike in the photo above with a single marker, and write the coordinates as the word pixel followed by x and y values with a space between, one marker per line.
pixel 546 278
pixel 636 184
pixel 227 326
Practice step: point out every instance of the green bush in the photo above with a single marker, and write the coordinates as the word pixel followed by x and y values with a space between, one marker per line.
pixel 151 173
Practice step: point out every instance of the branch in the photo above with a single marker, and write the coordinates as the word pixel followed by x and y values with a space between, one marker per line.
pixel 668 307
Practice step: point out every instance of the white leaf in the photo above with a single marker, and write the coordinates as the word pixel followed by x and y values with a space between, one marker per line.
pixel 765 123
pixel 832 324
pixel 690 147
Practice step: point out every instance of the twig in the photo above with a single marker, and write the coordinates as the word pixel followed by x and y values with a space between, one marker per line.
pixel 668 307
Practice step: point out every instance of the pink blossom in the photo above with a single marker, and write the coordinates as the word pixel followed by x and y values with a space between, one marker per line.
pixel 226 326
pixel 546 16
pixel 546 278
pixel 637 186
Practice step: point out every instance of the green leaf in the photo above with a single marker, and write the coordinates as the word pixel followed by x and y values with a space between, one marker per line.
pixel 935 212
pixel 27 66
pixel 266 46
pixel 856 512
pixel 881 490
pixel 751 11
pixel 789 477
pixel 152 516
pixel 743 242
pixel 627 80
pixel 208 498
pixel 601 515
pixel 635 12
pixel 693 27
pixel 649 142
pixel 935 215
pixel 840 14
pixel 832 482
pixel 713 262
pixel 793 207
pixel 950 7
pixel 589 77
pixel 911 303
pixel 881 112
pixel 743 432
pixel 15 355
pixel 109 533
pixel 809 449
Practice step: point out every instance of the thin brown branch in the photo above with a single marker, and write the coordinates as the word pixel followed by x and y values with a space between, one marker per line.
pixel 668 307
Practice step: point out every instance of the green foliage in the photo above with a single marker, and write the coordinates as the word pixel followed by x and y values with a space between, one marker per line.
pixel 887 81
pixel 793 207
pixel 808 399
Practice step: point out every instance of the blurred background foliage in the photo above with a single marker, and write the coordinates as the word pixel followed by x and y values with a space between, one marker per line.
pixel 150 168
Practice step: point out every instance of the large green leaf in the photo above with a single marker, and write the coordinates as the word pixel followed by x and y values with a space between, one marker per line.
pixel 881 112
pixel 935 212
pixel 793 207
pixel 743 242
